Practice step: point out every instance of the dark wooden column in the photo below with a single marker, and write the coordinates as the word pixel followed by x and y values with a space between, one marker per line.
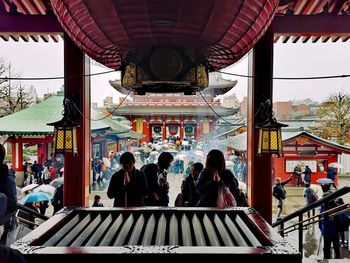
pixel 77 88
pixel 259 89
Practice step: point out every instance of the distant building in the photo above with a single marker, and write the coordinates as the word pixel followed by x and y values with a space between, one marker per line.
pixel 94 105
pixel 107 102
pixel 295 109
pixel 230 101
pixel 161 116
pixel 243 108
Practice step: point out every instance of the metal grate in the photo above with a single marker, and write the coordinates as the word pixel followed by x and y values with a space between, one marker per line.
pixel 154 228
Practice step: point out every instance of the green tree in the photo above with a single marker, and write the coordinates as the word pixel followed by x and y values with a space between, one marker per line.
pixel 334 114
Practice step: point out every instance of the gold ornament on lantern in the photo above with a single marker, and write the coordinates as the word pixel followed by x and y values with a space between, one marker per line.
pixel 65 135
pixel 270 135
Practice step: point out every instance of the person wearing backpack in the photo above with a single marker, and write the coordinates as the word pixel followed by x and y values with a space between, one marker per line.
pixel 280 193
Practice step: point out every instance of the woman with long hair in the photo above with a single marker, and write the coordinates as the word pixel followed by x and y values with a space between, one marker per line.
pixel 214 174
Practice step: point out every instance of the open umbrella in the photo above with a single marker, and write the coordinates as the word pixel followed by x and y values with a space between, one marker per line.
pixel 242 185
pixel 45 188
pixel 36 197
pixel 335 165
pixel 106 161
pixel 29 187
pixel 324 180
pixel 57 182
pixel 229 164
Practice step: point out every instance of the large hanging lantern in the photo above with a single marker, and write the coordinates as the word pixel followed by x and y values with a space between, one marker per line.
pixel 65 134
pixel 270 135
pixel 223 31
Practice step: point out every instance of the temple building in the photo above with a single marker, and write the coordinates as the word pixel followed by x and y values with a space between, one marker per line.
pixel 162 116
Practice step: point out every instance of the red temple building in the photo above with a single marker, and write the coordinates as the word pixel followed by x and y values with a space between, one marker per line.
pixel 160 116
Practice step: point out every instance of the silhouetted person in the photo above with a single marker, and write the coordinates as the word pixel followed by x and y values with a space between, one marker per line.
pixel 7 187
pixel 190 197
pixel 128 186
pixel 57 200
pixel 97 202
pixel 156 176
pixel 213 175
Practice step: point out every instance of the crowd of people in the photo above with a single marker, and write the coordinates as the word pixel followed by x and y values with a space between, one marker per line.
pixel 149 186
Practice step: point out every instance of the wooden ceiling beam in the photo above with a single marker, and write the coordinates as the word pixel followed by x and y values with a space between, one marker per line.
pixel 30 24
pixel 5 37
pixel 15 37
pixel 35 38
pixel 45 38
pixel 25 38
pixel 311 25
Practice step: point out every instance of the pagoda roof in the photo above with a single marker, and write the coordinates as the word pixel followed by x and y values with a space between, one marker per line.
pixel 129 134
pixel 222 130
pixel 239 142
pixel 33 120
pixel 175 110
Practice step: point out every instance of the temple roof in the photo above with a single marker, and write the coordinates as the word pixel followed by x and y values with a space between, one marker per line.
pixel 222 130
pixel 175 110
pixel 33 120
pixel 239 142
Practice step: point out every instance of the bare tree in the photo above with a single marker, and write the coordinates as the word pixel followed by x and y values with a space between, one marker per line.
pixel 13 97
pixel 335 117
pixel 24 99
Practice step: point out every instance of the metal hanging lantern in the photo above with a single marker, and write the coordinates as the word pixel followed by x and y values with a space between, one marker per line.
pixel 270 135
pixel 65 135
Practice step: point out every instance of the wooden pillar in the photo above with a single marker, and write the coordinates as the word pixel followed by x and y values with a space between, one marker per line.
pixel 41 152
pixel 77 89
pixel 17 154
pixel 163 131
pixel 259 90
pixel 181 130
pixel 147 131
pixel 198 131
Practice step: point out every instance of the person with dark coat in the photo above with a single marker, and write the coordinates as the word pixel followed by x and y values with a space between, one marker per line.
pixel 7 187
pixel 97 202
pixel 332 230
pixel 10 255
pixel 297 175
pixel 190 196
pixel 128 186
pixel 307 175
pixel 156 176
pixel 331 174
pixel 215 173
pixel 280 193
pixel 57 200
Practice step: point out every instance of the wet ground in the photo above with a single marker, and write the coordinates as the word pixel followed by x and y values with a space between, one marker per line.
pixel 313 241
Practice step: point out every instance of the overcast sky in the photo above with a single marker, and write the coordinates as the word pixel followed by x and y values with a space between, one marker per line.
pixel 290 60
